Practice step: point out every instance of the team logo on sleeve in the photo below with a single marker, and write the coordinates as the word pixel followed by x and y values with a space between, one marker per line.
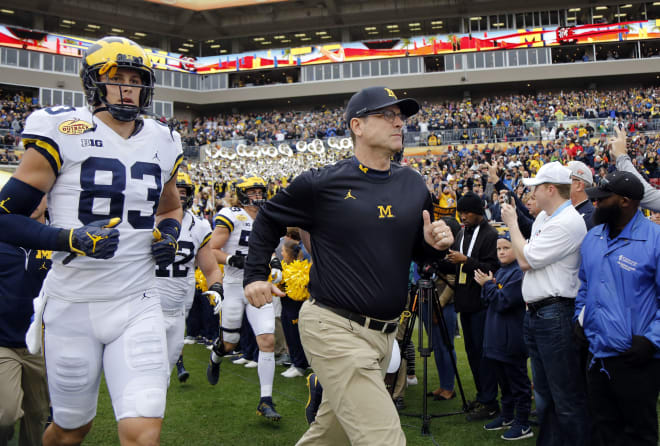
pixel 74 127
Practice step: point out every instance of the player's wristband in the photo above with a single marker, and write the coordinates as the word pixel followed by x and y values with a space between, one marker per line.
pixel 170 226
pixel 18 197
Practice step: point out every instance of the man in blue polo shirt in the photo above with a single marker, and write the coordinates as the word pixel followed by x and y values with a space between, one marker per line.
pixel 617 310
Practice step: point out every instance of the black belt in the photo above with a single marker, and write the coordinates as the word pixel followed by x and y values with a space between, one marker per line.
pixel 533 307
pixel 365 321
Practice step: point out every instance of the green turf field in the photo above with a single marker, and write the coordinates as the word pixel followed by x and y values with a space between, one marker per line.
pixel 200 414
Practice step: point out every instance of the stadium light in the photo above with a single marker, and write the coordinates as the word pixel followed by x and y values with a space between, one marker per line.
pixel 91 25
pixel 598 16
pixel 279 37
pixel 321 33
pixel 140 34
pixel 575 10
pixel 300 35
pixel 436 22
pixel 436 27
pixel 498 25
pixel 392 26
pixel 474 19
pixel 267 42
pixel 326 37
pixel 394 30
pixel 259 39
pixel 223 51
pixel 601 8
pixel 414 24
pixel 215 46
pixel 286 41
pixel 69 22
pixel 629 5
pixel 117 30
pixel 210 41
pixel 621 14
pixel 183 50
pixel 7 11
pixel 656 3
pixel 372 32
pixel 571 19
pixel 305 38
pixel 370 28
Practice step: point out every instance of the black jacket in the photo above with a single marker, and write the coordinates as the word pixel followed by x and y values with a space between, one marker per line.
pixel 467 297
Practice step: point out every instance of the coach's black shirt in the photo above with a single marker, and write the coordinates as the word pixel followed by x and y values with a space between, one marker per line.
pixel 365 228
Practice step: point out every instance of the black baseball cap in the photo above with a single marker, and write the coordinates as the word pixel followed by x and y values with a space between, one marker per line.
pixel 618 182
pixel 376 98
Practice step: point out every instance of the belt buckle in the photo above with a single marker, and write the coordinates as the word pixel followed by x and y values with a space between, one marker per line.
pixel 367 322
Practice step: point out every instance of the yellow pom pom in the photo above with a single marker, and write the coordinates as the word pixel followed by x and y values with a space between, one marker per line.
pixel 295 276
pixel 200 280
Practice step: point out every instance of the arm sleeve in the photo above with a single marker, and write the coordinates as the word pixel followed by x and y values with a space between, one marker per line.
pixel 651 199
pixel 293 206
pixel 19 230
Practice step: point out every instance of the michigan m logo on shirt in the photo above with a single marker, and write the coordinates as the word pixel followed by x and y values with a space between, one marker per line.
pixel 385 211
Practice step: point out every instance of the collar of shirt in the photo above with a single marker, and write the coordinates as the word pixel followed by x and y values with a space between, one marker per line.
pixel 372 173
pixel 564 205
pixel 629 232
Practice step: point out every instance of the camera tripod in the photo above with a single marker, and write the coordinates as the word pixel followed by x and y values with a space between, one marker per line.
pixel 426 303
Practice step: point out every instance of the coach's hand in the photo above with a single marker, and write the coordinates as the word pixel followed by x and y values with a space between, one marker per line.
pixel 437 233
pixel 260 293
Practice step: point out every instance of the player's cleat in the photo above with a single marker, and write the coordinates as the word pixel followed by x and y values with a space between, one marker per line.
pixel 213 369
pixel 266 409
pixel 181 371
pixel 315 397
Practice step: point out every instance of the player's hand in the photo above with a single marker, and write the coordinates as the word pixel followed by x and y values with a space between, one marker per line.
pixel 163 248
pixel 98 239
pixel 482 278
pixel 509 216
pixel 260 293
pixel 236 260
pixel 618 143
pixel 437 234
pixel 215 295
pixel 275 270
pixel 456 257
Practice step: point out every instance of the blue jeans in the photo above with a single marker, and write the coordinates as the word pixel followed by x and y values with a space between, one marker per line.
pixel 440 352
pixel 560 395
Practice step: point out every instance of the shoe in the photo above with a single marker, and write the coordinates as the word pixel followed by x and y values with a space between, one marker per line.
pixel 266 409
pixel 182 373
pixel 315 397
pixel 445 395
pixel 483 412
pixel 189 340
pixel 412 381
pixel 435 392
pixel 213 372
pixel 240 359
pixel 399 403
pixel 283 359
pixel 251 364
pixel 200 340
pixel 518 432
pixel 498 423
pixel 293 372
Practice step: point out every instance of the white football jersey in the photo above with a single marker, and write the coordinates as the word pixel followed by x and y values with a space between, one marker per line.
pixel 101 175
pixel 176 282
pixel 239 224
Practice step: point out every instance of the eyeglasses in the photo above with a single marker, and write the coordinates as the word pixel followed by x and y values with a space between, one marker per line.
pixel 388 115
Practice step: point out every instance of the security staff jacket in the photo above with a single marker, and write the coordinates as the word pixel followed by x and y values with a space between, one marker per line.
pixel 22 272
pixel 620 287
pixel 467 296
pixel 365 228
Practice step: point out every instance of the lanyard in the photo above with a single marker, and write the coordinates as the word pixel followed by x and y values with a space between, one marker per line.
pixel 474 237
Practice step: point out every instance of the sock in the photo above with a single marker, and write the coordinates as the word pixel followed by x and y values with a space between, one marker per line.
pixel 266 370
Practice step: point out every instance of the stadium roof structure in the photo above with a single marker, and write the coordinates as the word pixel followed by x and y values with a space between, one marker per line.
pixel 209 27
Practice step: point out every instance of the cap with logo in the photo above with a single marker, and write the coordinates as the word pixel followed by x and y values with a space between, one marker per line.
pixel 581 171
pixel 618 182
pixel 376 98
pixel 552 172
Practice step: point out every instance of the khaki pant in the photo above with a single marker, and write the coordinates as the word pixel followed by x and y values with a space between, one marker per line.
pixel 350 362
pixel 23 395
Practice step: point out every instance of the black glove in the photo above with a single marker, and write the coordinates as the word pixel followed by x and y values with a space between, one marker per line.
pixel 275 263
pixel 640 352
pixel 164 248
pixel 96 239
pixel 580 337
pixel 236 260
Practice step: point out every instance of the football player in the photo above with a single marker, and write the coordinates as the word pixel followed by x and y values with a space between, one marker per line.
pixel 115 214
pixel 176 282
pixel 230 245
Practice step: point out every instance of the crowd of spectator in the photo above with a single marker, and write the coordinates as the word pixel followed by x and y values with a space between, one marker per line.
pixel 516 117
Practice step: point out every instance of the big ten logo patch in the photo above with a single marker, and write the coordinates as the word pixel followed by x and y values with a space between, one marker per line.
pixel 91 143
